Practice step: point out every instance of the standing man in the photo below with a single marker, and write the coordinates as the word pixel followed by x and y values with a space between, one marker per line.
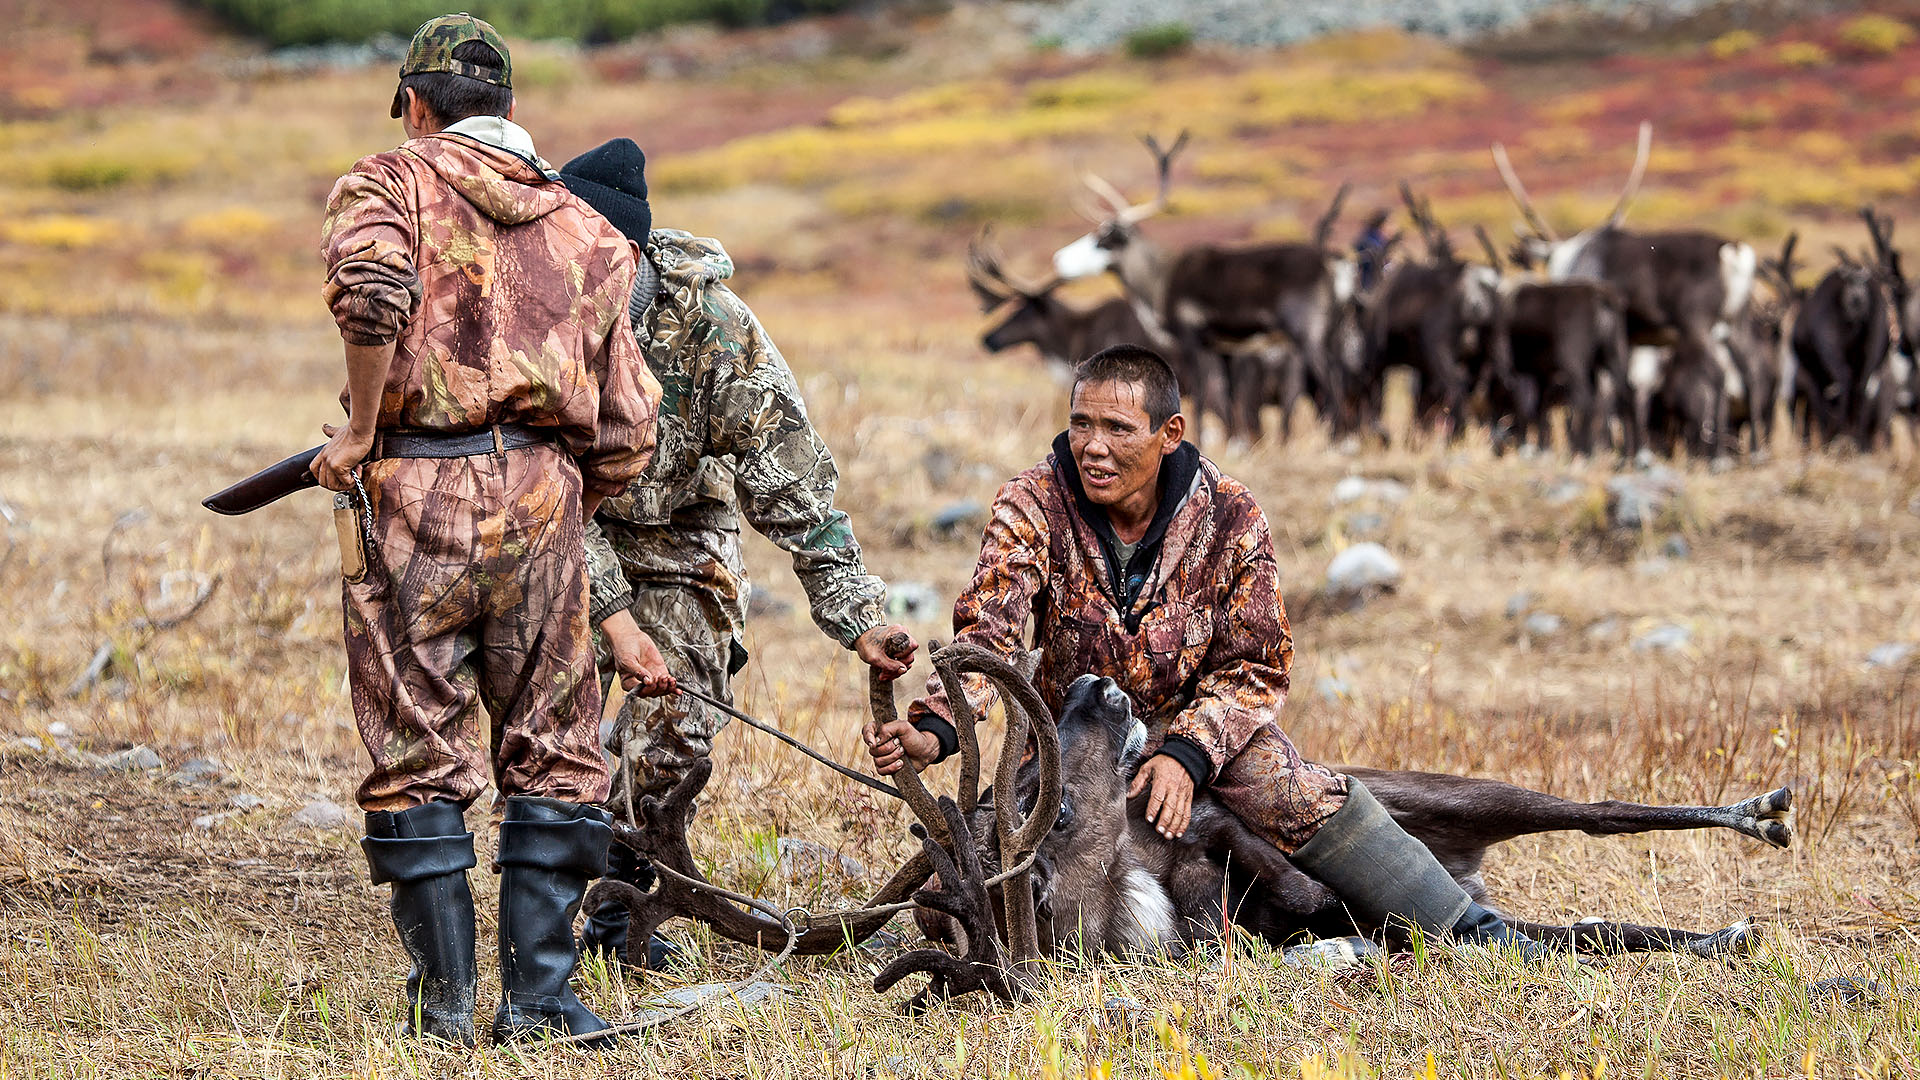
pixel 735 441
pixel 1135 558
pixel 494 397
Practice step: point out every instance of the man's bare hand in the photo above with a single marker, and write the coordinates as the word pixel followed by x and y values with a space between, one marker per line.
pixel 1170 807
pixel 872 650
pixel 899 743
pixel 333 466
pixel 642 669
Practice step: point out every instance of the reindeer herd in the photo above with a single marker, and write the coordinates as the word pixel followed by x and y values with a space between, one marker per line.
pixel 1647 342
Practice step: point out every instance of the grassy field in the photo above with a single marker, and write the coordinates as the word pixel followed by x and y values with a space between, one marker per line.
pixel 161 334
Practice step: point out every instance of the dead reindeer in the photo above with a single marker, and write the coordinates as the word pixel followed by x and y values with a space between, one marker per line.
pixel 1063 334
pixel 1682 290
pixel 1555 343
pixel 1428 315
pixel 1107 883
pixel 1210 298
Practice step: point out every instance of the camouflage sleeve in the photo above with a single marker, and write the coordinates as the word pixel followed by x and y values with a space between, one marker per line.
pixel 608 591
pixel 997 605
pixel 1248 665
pixel 624 439
pixel 367 242
pixel 783 472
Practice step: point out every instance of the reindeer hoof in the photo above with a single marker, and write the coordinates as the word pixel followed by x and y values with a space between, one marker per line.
pixel 1768 817
pixel 1736 940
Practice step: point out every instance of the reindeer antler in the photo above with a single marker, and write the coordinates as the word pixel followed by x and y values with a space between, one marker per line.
pixel 1487 245
pixel 1641 155
pixel 988 276
pixel 1540 228
pixel 1323 228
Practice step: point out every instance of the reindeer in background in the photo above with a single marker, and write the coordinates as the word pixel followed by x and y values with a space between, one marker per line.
pixel 1033 315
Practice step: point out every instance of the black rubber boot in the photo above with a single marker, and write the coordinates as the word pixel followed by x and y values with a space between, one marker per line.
pixel 1387 878
pixel 549 850
pixel 606 930
pixel 426 853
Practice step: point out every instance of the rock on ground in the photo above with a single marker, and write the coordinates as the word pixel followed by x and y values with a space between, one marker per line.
pixel 1890 655
pixel 133 759
pixel 1668 637
pixel 804 858
pixel 1635 500
pixel 1543 624
pixel 1355 488
pixel 320 814
pixel 1363 568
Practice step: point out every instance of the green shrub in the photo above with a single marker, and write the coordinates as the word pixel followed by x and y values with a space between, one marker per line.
pixel 1163 39
pixel 307 22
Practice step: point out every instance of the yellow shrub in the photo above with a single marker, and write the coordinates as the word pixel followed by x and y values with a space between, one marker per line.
pixel 1878 35
pixel 63 231
pixel 1733 43
pixel 1094 88
pixel 1803 54
pixel 230 225
pixel 1821 146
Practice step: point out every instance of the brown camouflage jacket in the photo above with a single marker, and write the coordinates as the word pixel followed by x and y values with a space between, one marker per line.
pixel 734 440
pixel 507 297
pixel 1204 651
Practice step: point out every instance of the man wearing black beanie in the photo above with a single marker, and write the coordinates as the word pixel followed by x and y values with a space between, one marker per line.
pixel 664 555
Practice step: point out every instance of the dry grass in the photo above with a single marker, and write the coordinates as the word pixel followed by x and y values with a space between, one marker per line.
pixel 141 945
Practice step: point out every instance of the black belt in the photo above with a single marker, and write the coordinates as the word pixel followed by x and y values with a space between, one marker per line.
pixel 498 439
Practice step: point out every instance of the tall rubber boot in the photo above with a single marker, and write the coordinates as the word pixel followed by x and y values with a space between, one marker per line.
pixel 1389 879
pixel 606 929
pixel 549 850
pixel 425 853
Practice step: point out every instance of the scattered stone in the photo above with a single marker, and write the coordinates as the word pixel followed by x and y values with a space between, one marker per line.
pixel 59 729
pixel 207 822
pixel 133 759
pixel 1119 1009
pixel 1331 954
pixel 1604 629
pixel 1563 491
pixel 751 994
pixel 1355 488
pixel 762 603
pixel 1846 990
pixel 1676 547
pixel 1652 567
pixel 320 814
pixel 1364 525
pixel 1363 568
pixel 26 744
pixel 1518 604
pixel 1635 500
pixel 199 772
pixel 1333 688
pixel 1542 624
pixel 912 600
pixel 244 802
pixel 956 519
pixel 1891 655
pixel 883 941
pixel 1667 637
pixel 805 859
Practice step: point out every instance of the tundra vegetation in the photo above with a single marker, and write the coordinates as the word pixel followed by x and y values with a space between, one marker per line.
pixel 161 334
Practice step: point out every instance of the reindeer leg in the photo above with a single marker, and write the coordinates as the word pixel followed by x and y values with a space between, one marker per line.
pixel 1598 936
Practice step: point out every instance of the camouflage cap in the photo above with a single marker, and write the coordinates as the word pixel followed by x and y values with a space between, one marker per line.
pixel 433 45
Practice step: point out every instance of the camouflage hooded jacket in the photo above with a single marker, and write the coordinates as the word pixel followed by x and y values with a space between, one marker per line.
pixel 506 295
pixel 734 439
pixel 1204 650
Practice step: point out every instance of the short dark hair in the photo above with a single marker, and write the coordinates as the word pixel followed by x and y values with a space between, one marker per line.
pixel 452 98
pixel 1141 366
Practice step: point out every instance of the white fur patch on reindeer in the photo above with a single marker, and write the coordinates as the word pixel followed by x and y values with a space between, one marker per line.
pixel 1646 368
pixel 1346 278
pixel 1145 907
pixel 1082 258
pixel 1738 267
pixel 1136 742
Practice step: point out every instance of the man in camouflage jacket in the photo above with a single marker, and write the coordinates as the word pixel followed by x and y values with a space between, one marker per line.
pixel 735 442
pixel 1134 558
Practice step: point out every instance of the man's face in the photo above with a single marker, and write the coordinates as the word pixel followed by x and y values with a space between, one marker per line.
pixel 1115 444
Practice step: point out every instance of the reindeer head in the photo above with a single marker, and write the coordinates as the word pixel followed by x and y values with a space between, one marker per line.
pixel 1032 315
pixel 1116 225
pixel 1562 257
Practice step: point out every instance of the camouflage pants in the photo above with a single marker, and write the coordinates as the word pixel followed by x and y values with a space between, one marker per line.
pixel 475 595
pixel 1278 794
pixel 656 740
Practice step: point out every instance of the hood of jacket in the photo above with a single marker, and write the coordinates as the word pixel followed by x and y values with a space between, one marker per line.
pixel 499 183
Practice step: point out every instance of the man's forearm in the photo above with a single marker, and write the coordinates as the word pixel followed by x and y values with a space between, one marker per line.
pixel 367 367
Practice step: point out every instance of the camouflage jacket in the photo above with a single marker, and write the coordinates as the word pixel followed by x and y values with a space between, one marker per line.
pixel 506 296
pixel 735 440
pixel 1204 650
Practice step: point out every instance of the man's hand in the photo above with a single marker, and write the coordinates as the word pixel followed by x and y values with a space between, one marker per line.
pixel 333 466
pixel 636 657
pixel 872 650
pixel 899 743
pixel 1170 807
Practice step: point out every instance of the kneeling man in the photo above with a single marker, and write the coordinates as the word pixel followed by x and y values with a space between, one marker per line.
pixel 1135 558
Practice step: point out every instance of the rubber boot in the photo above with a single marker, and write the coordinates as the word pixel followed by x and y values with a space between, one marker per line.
pixel 549 850
pixel 605 933
pixel 425 853
pixel 1387 878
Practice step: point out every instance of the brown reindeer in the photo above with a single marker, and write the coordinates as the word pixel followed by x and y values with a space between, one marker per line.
pixel 1033 315
pixel 1214 300
pixel 1109 884
pixel 1685 290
